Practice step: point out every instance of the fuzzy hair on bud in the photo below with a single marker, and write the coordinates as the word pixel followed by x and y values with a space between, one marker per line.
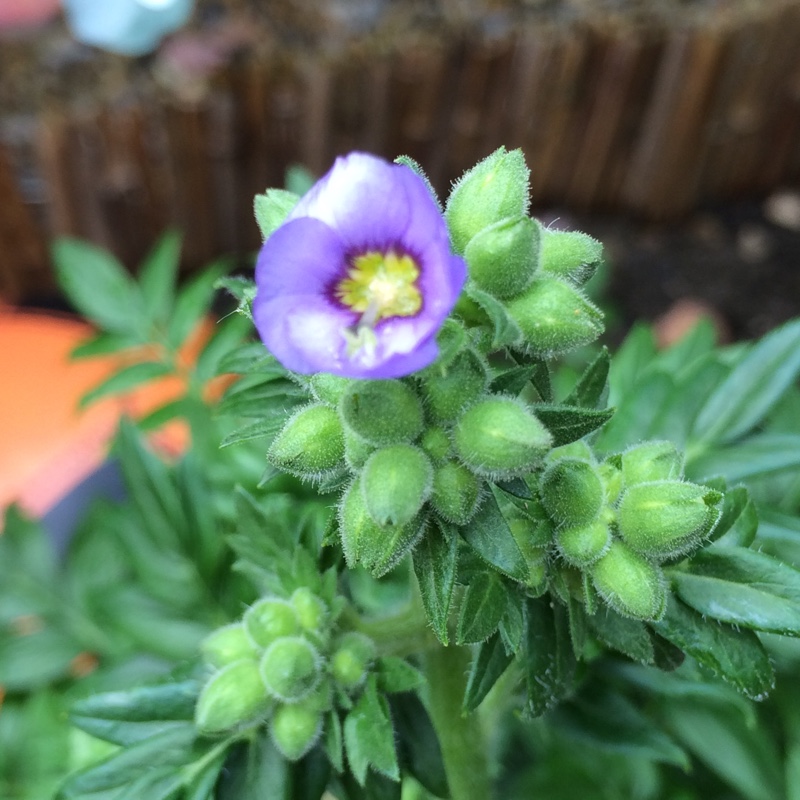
pixel 228 644
pixel 233 696
pixel 448 389
pixel 583 545
pixel 651 461
pixel 381 412
pixel 294 729
pixel 290 668
pixel 268 619
pixel 570 255
pixel 456 493
pixel 571 492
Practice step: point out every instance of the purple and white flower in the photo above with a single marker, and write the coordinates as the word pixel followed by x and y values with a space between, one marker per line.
pixel 360 277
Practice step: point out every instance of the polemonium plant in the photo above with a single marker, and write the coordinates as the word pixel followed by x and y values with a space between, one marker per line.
pixel 462 574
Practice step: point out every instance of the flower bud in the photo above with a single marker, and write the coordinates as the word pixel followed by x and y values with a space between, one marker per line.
pixel 456 491
pixel 570 255
pixel 611 475
pixel 448 389
pixel 290 668
pixel 396 481
pixel 503 258
pixel 272 208
pixel 572 492
pixel 328 388
pixel 269 619
pixel 232 696
pixel 583 545
pixel 630 584
pixel 494 189
pixel 228 644
pixel 295 728
pixel 311 443
pixel 435 443
pixel 352 659
pixel 664 519
pixel 577 449
pixel 499 437
pixel 381 412
pixel 533 537
pixel 311 610
pixel 651 461
pixel 356 451
pixel 555 317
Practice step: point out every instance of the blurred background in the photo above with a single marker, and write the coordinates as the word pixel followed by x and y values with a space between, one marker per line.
pixel 670 129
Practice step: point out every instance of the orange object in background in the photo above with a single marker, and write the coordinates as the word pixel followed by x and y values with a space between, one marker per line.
pixel 47 444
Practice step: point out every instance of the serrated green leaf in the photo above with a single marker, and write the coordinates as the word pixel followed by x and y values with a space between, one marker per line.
pixel 736 656
pixel 157 276
pixel 435 565
pixel 194 302
pixel 592 387
pixel 126 379
pixel 761 454
pixel 482 607
pixel 99 287
pixel 490 662
pixel 753 388
pixel 627 636
pixel 369 737
pixel 506 331
pixel 570 423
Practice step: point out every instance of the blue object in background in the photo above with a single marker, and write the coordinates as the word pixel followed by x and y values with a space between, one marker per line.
pixel 129 27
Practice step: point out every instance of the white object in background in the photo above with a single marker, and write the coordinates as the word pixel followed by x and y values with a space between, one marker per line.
pixel 130 27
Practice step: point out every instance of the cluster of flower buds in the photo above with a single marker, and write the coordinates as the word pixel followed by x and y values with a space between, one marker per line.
pixel 616 522
pixel 534 272
pixel 287 663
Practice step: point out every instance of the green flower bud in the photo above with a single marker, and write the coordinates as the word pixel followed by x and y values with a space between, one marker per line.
pixel 611 476
pixel 572 492
pixel 290 668
pixel 503 258
pixel 396 481
pixel 228 644
pixel 533 537
pixel 499 437
pixel 578 449
pixel 311 443
pixel 295 729
pixel 356 451
pixel 583 545
pixel 665 519
pixel 448 389
pixel 555 317
pixel 232 696
pixel 311 610
pixel 569 254
pixel 651 461
pixel 381 412
pixel 456 491
pixel 328 388
pixel 494 189
pixel 272 208
pixel 269 619
pixel 435 443
pixel 367 543
pixel 352 659
pixel 630 584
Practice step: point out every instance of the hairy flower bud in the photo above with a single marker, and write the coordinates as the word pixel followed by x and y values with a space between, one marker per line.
pixel 311 610
pixel 328 388
pixel 665 519
pixel 456 492
pixel 651 461
pixel 569 254
pixel 356 451
pixel 290 668
pixel 269 619
pixel 498 437
pixel 494 189
pixel 448 389
pixel 381 412
pixel 232 696
pixel 228 644
pixel 311 443
pixel 503 258
pixel 435 443
pixel 630 584
pixel 581 546
pixel 295 728
pixel 533 535
pixel 572 492
pixel 396 481
pixel 555 317
pixel 351 660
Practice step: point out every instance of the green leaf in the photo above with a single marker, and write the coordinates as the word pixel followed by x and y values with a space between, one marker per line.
pixel 163 414
pixel 512 381
pixel 252 357
pixel 742 755
pixel 548 660
pixel 490 662
pixel 738 522
pixel 369 737
pixel 779 534
pixel 397 675
pixel 742 587
pixel 592 387
pixel 482 608
pixel 698 342
pixel 193 303
pixel 435 559
pixel 261 399
pixel 630 362
pixel 490 537
pixel 756 384
pixel 761 454
pixel 415 166
pixel 272 208
pixel 25 549
pixel 627 636
pixel 332 741
pixel 506 331
pixel 736 656
pixel 243 289
pixel 99 287
pixel 570 423
pixel 157 277
pixel 126 379
pixel 227 337
pixel 103 344
pixel 255 771
pixel 202 784
pixel 33 660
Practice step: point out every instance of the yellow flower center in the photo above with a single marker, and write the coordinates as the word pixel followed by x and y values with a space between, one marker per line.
pixel 380 285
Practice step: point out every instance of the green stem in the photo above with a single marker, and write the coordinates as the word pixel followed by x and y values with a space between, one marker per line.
pixel 403 634
pixel 461 737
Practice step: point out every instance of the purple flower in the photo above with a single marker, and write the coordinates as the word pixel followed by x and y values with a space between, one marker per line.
pixel 360 277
